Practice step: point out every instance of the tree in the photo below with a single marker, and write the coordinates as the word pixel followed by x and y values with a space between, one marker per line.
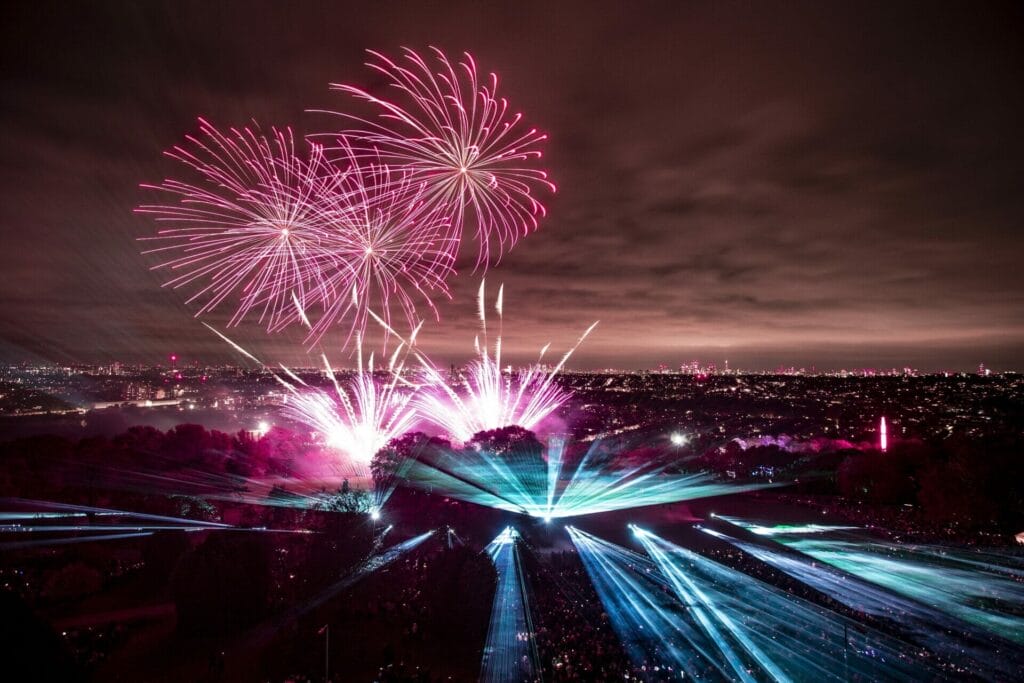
pixel 29 648
pixel 345 499
pixel 75 580
pixel 388 461
pixel 224 584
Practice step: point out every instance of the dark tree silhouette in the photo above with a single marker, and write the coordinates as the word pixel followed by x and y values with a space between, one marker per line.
pixel 224 584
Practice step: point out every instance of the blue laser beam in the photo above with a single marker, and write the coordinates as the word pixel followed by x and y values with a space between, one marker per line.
pixel 966 648
pixel 656 631
pixel 765 633
pixel 547 488
pixel 510 653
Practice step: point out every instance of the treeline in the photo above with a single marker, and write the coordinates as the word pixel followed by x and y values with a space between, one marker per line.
pixel 973 484
pixel 145 461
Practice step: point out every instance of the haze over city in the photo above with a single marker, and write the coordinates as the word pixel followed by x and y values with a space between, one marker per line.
pixel 804 185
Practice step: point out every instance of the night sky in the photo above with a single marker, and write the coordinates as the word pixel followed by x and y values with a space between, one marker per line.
pixel 829 184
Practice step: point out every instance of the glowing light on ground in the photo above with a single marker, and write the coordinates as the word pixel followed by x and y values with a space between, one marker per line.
pixel 547 488
pixel 452 132
pixel 510 652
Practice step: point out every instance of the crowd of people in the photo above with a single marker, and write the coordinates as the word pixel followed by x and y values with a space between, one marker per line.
pixel 575 639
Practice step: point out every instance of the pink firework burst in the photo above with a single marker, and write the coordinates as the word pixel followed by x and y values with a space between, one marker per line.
pixel 285 236
pixel 491 397
pixel 452 131
pixel 365 410
pixel 249 227
pixel 390 247
pixel 361 415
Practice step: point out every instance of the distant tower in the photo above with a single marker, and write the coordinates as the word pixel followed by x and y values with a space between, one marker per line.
pixel 883 436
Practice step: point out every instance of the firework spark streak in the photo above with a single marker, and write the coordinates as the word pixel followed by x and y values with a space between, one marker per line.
pixel 449 127
pixel 250 228
pixel 493 398
pixel 361 415
pixel 388 246
pixel 286 235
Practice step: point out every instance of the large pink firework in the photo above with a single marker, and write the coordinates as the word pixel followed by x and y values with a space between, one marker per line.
pixel 449 127
pixel 249 229
pixel 293 240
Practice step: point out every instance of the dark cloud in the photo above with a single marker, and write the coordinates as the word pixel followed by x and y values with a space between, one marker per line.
pixel 813 184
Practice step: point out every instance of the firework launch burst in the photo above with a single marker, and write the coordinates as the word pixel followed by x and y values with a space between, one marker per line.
pixel 449 127
pixel 362 413
pixel 492 397
pixel 361 416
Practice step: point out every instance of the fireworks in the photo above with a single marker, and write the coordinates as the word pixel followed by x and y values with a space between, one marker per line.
pixel 250 228
pixel 494 398
pixel 358 419
pixel 449 127
pixel 287 235
pixel 361 415
pixel 389 246
pixel 277 233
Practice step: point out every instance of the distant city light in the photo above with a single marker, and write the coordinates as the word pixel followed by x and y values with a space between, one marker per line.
pixel 262 428
pixel 883 436
pixel 679 439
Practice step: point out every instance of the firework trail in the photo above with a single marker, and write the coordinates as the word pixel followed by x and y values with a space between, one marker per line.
pixel 452 131
pixel 250 227
pixel 491 398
